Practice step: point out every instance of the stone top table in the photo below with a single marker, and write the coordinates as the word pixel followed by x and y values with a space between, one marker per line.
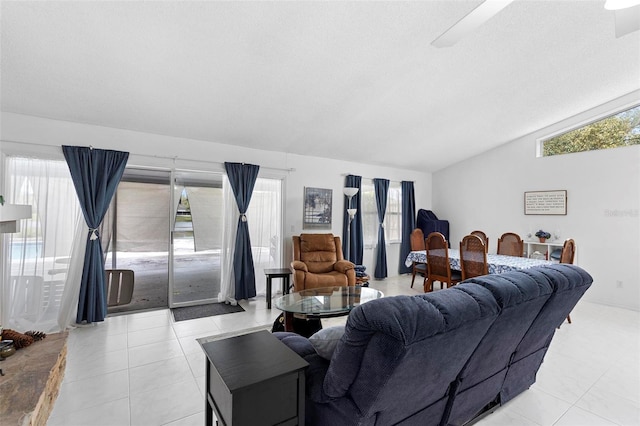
pixel 31 381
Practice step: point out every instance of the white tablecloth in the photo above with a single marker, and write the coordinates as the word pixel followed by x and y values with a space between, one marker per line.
pixel 497 263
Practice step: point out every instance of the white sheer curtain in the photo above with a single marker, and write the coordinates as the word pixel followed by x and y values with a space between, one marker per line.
pixel 36 260
pixel 265 230
pixel 69 302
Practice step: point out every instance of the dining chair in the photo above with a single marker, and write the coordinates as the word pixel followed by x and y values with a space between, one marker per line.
pixel 473 257
pixel 568 251
pixel 510 244
pixel 438 267
pixel 484 239
pixel 417 244
pixel 567 256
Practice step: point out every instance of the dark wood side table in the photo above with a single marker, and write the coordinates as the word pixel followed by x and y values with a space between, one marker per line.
pixel 253 379
pixel 283 273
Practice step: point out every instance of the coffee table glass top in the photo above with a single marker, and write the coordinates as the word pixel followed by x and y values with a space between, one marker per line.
pixel 326 301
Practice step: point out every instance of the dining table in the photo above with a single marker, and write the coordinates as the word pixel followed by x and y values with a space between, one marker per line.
pixel 496 263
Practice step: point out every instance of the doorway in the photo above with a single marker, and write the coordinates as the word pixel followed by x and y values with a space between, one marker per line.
pixel 167 227
pixel 196 238
pixel 138 221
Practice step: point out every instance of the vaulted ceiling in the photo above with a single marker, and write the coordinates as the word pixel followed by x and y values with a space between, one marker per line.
pixel 355 81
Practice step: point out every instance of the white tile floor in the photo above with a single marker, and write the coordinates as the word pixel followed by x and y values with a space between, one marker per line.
pixel 144 369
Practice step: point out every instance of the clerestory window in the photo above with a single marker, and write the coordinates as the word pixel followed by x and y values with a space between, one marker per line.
pixel 617 130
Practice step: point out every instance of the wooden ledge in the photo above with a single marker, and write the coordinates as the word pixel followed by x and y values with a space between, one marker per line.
pixel 32 380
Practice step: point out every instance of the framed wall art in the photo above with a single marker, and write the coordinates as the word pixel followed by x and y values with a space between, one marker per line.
pixel 317 208
pixel 545 202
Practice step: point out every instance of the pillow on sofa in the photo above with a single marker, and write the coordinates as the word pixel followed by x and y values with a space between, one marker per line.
pixel 326 340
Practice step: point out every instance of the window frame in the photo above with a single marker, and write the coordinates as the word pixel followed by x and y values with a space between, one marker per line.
pixel 369 230
pixel 583 123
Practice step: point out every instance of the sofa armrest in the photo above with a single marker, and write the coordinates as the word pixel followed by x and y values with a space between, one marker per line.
pixel 343 266
pixel 299 265
pixel 318 366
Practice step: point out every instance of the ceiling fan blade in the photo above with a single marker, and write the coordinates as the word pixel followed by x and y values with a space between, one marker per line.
pixel 469 23
pixel 627 20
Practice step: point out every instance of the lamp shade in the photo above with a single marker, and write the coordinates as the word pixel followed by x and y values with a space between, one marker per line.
pixel 350 192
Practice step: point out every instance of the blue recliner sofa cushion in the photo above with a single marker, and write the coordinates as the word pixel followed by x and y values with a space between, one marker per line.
pixel 520 296
pixel 398 357
pixel 569 283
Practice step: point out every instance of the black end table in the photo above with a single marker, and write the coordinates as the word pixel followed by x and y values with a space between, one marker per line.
pixel 253 379
pixel 283 273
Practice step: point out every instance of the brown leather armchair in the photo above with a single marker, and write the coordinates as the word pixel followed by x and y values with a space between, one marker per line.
pixel 318 262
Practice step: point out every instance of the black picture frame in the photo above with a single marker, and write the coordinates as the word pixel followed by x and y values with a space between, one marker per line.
pixel 318 206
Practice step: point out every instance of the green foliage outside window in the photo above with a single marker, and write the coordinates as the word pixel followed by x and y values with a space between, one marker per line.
pixel 622 129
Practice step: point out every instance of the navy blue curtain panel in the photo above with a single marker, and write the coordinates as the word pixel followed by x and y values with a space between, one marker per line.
pixel 408 224
pixel 356 246
pixel 243 178
pixel 381 187
pixel 95 174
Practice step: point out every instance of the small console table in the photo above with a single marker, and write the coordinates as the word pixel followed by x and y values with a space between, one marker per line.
pixel 283 273
pixel 253 379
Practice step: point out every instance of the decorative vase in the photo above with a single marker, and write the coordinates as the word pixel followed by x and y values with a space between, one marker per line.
pixel 542 240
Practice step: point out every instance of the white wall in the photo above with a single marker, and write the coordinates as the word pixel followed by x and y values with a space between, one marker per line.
pixel 27 134
pixel 321 173
pixel 486 192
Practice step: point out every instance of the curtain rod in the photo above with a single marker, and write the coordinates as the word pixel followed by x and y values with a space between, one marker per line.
pixel 151 156
pixel 365 177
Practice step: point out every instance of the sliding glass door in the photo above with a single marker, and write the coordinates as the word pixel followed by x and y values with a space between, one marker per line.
pixel 138 222
pixel 196 238
pixel 167 226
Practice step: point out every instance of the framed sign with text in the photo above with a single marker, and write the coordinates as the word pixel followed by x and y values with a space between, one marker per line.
pixel 545 202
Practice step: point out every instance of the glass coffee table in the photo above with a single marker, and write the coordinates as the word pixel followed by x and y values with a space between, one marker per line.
pixel 324 302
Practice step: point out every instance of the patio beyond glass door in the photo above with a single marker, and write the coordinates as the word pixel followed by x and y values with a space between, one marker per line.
pixel 196 238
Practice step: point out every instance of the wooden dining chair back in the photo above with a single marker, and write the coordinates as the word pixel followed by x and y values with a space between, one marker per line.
pixel 438 267
pixel 484 239
pixel 567 256
pixel 473 257
pixel 417 240
pixel 510 244
pixel 417 244
pixel 568 251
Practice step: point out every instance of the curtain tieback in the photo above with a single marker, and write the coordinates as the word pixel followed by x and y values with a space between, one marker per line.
pixel 94 233
pixel 243 217
pixel 382 225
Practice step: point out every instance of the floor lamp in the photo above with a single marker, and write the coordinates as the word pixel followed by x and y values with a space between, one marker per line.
pixel 349 192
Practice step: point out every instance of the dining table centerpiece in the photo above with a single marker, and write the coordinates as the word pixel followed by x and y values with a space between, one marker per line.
pixel 543 235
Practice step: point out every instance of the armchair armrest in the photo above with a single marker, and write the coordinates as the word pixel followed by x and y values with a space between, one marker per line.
pixel 343 266
pixel 299 265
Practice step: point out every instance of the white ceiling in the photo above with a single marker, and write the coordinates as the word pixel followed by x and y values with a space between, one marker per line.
pixel 356 81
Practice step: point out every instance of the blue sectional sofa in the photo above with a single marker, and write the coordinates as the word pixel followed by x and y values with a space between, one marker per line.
pixel 441 358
